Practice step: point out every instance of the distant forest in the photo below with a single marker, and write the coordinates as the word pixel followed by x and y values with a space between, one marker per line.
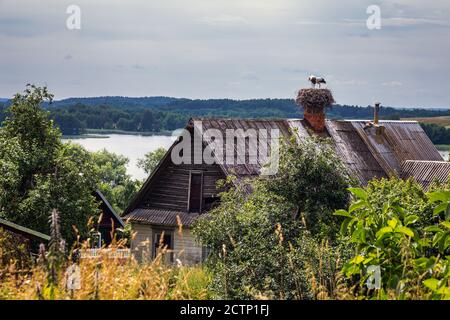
pixel 162 114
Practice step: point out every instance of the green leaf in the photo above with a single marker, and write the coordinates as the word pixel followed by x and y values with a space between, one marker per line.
pixel 446 224
pixel 383 231
pixel 359 193
pixel 344 227
pixel 431 284
pixel 439 196
pixel 437 237
pixel 411 219
pixel 357 205
pixel 446 243
pixel 392 223
pixel 342 213
pixel 442 207
pixel 432 229
pixel 357 259
pixel 405 230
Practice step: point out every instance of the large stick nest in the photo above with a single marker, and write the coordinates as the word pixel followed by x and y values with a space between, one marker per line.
pixel 315 100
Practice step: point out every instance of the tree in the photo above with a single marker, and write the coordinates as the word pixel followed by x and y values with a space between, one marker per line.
pixel 39 173
pixel 114 182
pixel 312 177
pixel 151 160
pixel 150 121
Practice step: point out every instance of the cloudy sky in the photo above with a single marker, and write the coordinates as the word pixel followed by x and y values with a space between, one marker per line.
pixel 229 48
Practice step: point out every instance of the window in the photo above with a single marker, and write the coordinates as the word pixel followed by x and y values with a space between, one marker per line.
pixel 195 192
pixel 163 241
pixel 210 202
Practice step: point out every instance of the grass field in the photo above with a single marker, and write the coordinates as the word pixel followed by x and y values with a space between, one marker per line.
pixel 442 121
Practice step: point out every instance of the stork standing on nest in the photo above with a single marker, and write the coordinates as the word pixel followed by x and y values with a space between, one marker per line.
pixel 316 81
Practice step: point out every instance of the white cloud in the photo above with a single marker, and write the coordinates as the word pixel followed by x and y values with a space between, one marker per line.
pixel 225 19
pixel 392 84
pixel 403 21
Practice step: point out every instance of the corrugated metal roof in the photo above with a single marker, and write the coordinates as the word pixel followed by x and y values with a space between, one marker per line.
pixel 239 127
pixel 426 172
pixel 368 153
pixel 161 217
pixel 354 151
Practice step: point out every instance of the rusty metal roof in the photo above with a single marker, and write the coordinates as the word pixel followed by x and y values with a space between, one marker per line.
pixel 239 126
pixel 354 151
pixel 367 152
pixel 161 217
pixel 426 172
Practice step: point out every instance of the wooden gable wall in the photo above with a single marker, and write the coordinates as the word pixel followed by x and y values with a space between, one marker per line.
pixel 169 187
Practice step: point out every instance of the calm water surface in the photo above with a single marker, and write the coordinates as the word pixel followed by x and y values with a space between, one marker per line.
pixel 131 146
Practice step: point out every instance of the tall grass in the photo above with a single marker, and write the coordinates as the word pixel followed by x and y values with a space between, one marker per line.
pixel 107 279
pixel 101 277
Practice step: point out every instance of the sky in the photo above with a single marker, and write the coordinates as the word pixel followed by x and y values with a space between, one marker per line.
pixel 238 49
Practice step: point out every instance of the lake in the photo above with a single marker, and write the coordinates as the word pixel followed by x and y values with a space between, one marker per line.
pixel 444 154
pixel 131 146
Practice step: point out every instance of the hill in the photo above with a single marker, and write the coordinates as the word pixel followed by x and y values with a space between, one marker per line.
pixel 162 114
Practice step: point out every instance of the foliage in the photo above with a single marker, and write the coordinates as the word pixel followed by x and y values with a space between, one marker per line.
pixel 410 247
pixel 114 182
pixel 437 133
pixel 403 193
pixel 151 160
pixel 39 173
pixel 259 245
pixel 75 119
pixel 313 178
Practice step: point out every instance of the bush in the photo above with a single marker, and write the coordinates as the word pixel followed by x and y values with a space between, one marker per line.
pixel 395 226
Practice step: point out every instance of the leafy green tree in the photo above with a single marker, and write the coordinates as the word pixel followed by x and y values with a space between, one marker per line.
pixel 114 182
pixel 312 177
pixel 151 160
pixel 39 172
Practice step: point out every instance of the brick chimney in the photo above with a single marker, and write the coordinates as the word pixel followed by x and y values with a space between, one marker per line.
pixel 315 120
pixel 314 102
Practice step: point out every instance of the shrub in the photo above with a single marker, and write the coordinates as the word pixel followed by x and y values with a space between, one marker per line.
pixel 408 237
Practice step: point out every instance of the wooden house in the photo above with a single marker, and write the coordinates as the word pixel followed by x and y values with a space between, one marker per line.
pixel 178 193
pixel 110 221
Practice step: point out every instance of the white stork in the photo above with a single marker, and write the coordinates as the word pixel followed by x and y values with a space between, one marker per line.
pixel 316 81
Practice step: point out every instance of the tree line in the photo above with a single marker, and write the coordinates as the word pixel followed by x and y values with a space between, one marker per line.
pixel 162 114
pixel 438 134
